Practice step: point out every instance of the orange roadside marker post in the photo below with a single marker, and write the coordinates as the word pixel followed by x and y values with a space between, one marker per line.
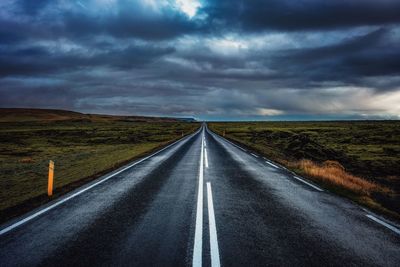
pixel 51 178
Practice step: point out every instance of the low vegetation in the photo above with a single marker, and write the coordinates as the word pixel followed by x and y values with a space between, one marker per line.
pixel 357 159
pixel 331 172
pixel 82 147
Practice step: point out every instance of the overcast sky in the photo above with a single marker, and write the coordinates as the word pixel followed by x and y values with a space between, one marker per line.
pixel 226 59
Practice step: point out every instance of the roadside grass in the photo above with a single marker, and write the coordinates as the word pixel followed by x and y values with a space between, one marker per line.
pixel 357 159
pixel 335 175
pixel 81 151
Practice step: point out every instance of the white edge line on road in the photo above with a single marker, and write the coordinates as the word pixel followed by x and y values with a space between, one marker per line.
pixel 266 160
pixel 276 166
pixel 40 212
pixel 234 144
pixel 273 165
pixel 391 227
pixel 223 138
pixel 205 157
pixel 307 183
pixel 198 234
pixel 214 250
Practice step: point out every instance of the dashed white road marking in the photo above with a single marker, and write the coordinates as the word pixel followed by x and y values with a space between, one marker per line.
pixel 391 227
pixel 198 235
pixel 235 145
pixel 307 183
pixel 42 211
pixel 206 157
pixel 273 165
pixel 238 146
pixel 214 250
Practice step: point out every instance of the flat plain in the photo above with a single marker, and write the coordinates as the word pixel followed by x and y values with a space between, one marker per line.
pixel 357 159
pixel 83 147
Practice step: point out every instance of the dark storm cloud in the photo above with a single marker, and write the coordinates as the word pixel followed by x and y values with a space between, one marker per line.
pixel 150 57
pixel 125 25
pixel 350 61
pixel 9 37
pixel 125 19
pixel 346 62
pixel 31 7
pixel 12 32
pixel 38 60
pixel 132 19
pixel 292 15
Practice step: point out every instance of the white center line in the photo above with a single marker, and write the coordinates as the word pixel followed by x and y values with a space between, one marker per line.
pixel 214 250
pixel 254 155
pixel 273 165
pixel 198 235
pixel 307 183
pixel 391 227
pixel 206 157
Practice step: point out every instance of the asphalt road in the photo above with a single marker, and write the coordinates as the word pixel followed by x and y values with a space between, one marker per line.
pixel 203 202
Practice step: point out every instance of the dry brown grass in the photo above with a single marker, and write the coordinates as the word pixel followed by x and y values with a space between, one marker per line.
pixel 333 173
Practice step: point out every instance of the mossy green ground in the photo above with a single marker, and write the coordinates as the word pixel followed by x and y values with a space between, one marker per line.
pixel 370 149
pixel 80 149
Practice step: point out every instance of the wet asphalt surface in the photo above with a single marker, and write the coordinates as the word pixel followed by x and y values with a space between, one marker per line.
pixel 146 216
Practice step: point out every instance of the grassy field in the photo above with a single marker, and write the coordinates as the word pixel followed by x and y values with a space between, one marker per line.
pixel 358 159
pixel 82 149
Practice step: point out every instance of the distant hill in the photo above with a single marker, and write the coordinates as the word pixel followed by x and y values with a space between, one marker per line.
pixel 37 115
